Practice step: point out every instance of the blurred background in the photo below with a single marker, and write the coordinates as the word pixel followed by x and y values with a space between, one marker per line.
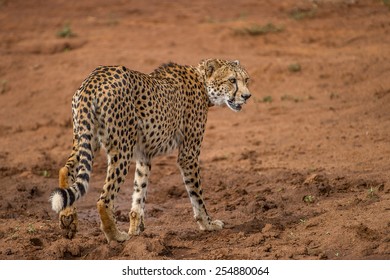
pixel 301 173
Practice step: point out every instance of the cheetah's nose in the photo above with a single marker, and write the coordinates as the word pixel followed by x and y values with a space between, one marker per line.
pixel 246 96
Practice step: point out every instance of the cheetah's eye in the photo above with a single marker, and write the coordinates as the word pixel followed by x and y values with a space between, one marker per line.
pixel 246 80
pixel 233 80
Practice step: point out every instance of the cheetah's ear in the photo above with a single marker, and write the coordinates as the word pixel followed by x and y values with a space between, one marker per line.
pixel 210 66
pixel 236 62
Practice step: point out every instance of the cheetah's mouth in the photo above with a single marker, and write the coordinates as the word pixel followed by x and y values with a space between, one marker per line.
pixel 234 106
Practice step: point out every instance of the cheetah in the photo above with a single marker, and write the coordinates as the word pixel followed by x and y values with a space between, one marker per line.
pixel 135 117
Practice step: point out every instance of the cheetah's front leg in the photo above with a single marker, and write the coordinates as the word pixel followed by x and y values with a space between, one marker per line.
pixel 68 220
pixel 191 177
pixel 136 214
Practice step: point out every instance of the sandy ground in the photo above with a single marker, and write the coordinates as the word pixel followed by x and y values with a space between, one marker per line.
pixel 301 173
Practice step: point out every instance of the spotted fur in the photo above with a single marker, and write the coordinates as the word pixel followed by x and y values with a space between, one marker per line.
pixel 136 116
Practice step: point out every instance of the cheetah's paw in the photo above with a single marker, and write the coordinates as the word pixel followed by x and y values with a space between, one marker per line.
pixel 118 236
pixel 217 225
pixel 68 222
pixel 122 236
pixel 212 225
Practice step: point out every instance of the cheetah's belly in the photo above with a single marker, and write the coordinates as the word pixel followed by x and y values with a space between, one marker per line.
pixel 151 143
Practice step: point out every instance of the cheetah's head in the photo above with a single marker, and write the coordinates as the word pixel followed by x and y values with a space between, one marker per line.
pixel 226 82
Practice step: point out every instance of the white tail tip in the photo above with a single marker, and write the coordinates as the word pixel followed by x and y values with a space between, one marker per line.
pixel 57 202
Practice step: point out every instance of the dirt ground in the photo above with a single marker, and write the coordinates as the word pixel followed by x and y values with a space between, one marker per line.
pixel 301 173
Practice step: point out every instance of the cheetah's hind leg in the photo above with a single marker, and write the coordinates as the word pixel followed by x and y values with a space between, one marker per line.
pixel 68 220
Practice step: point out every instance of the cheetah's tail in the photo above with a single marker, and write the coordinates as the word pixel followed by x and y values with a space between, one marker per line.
pixel 64 197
